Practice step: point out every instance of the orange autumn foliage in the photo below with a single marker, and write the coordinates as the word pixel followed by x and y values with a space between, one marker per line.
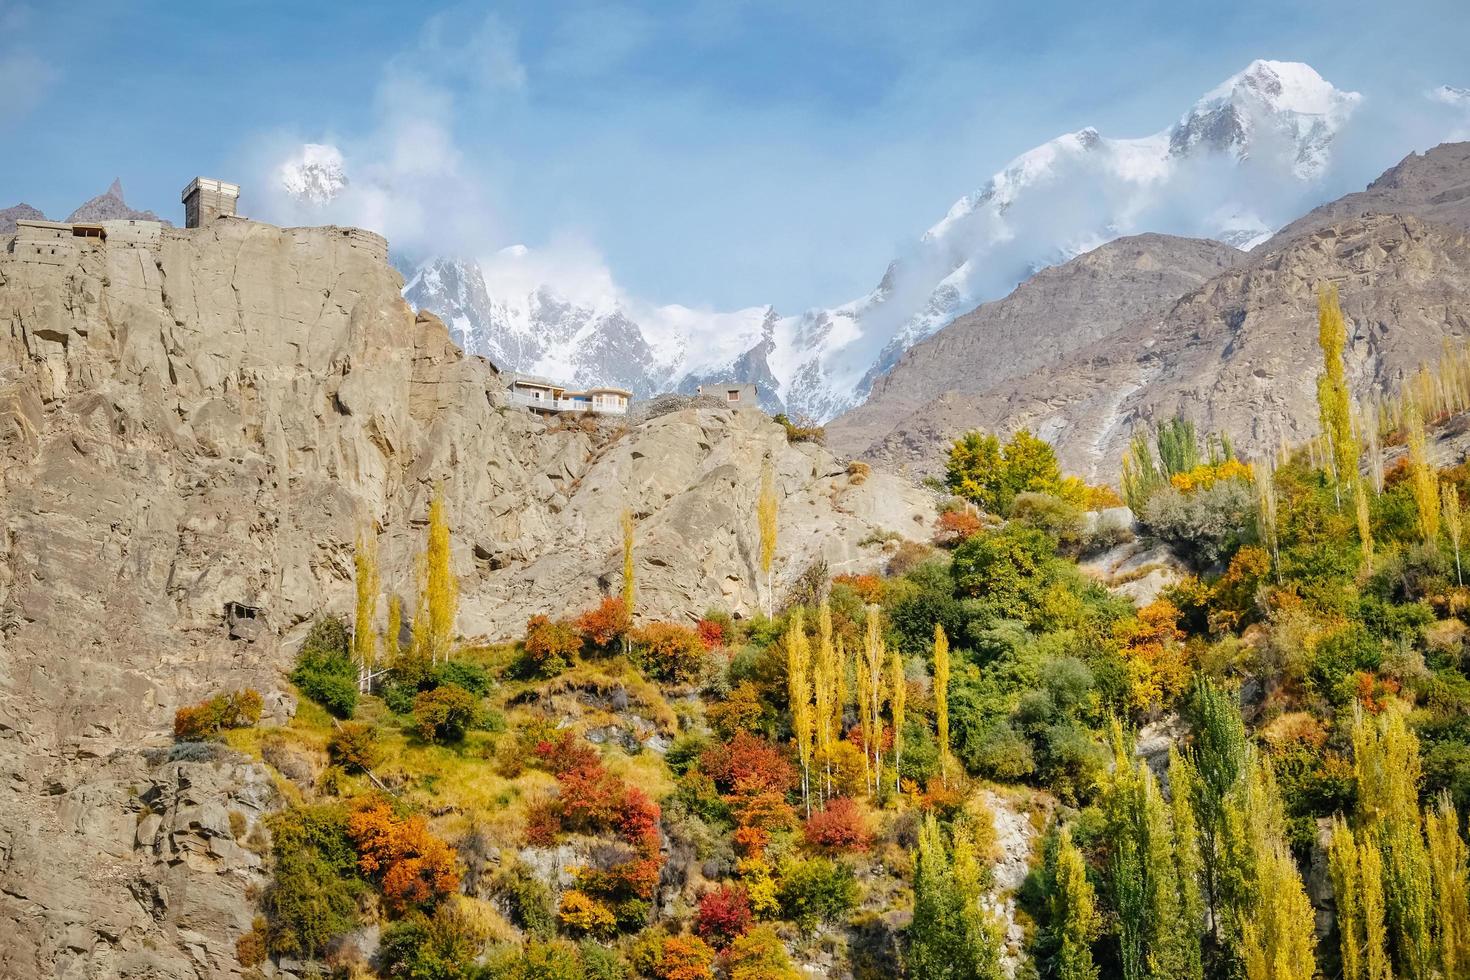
pixel 869 588
pixel 604 624
pixel 685 958
pixel 410 864
pixel 956 527
pixel 1152 646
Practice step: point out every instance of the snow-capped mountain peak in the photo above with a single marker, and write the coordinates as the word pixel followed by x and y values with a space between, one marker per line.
pixel 1283 102
pixel 315 175
pixel 1243 159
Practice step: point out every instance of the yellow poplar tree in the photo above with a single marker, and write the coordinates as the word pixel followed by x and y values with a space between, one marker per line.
pixel 1347 894
pixel 1365 525
pixel 1421 475
pixel 766 513
pixel 422 638
pixel 839 696
pixel 1453 524
pixel 442 586
pixel 799 692
pixel 1447 863
pixel 1277 930
pixel 872 667
pixel 824 680
pixel 897 701
pixel 395 627
pixel 1375 915
pixel 1333 400
pixel 364 632
pixel 864 716
pixel 1074 912
pixel 941 698
pixel 630 585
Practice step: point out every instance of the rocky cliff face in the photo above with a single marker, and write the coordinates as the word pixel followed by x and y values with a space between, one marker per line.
pixel 1434 186
pixel 190 418
pixel 1238 354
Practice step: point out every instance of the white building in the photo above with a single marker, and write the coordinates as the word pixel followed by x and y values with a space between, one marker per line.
pixel 545 395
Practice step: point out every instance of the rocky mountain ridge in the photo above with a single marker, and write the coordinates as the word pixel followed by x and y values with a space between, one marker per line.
pixel 209 416
pixel 1238 354
pixel 1264 135
pixel 1142 365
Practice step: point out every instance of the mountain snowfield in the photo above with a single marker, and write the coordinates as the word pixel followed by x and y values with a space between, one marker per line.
pixel 1240 162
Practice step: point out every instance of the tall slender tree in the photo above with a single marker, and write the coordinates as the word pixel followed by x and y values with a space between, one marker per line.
pixel 873 654
pixel 1347 892
pixel 1365 523
pixel 941 699
pixel 392 648
pixel 442 586
pixel 825 669
pixel 364 626
pixel 898 700
pixel 951 936
pixel 1074 915
pixel 630 581
pixel 1451 879
pixel 1190 927
pixel 1375 913
pixel 1334 402
pixel 865 697
pixel 1421 475
pixel 767 517
pixel 1453 524
pixel 799 693
pixel 1265 478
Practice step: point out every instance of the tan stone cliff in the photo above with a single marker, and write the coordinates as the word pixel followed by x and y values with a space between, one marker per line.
pixel 190 418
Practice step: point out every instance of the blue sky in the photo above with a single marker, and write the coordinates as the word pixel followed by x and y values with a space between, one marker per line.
pixel 712 153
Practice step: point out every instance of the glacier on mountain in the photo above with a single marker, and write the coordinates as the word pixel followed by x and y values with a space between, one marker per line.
pixel 1243 159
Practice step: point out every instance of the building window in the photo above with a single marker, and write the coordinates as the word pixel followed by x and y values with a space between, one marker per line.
pixel 733 396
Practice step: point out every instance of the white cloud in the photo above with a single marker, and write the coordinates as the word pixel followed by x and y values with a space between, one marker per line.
pixel 1458 102
pixel 407 178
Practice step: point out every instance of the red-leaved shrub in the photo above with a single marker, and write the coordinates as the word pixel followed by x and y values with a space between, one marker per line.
pixel 839 826
pixel 711 633
pixel 723 915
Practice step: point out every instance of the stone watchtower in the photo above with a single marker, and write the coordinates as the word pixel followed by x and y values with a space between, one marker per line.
pixel 206 199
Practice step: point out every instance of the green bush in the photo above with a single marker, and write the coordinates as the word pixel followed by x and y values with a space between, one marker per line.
pixel 398 697
pixel 354 746
pixel 472 677
pixel 815 890
pixel 324 669
pixel 441 948
pixel 316 894
pixel 532 905
pixel 444 714
pixel 538 960
pixel 1057 517
pixel 1010 571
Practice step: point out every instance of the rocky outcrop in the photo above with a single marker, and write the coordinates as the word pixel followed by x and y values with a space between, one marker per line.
pixel 19 212
pixel 194 418
pixel 1043 322
pixel 110 206
pixel 1238 354
pixel 1433 186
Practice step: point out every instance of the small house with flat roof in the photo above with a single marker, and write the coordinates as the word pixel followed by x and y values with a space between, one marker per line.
pixel 550 397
